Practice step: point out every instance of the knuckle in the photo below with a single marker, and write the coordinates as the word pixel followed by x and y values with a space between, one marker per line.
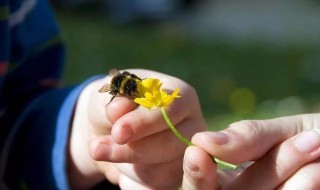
pixel 251 128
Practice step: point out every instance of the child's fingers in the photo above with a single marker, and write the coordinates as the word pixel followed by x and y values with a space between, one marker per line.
pixel 143 122
pixel 119 107
pixel 161 147
pixel 138 124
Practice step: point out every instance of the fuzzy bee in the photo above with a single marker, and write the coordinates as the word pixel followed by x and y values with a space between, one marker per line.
pixel 122 83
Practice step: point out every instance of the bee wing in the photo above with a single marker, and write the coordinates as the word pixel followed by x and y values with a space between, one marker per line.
pixel 113 72
pixel 105 88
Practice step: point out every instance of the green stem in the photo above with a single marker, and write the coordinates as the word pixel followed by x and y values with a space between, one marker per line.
pixel 224 164
pixel 175 131
pixel 189 143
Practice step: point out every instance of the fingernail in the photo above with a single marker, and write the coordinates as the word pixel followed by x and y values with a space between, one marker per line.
pixel 190 165
pixel 308 141
pixel 219 138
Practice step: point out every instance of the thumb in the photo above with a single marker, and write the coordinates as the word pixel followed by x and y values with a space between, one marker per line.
pixel 251 139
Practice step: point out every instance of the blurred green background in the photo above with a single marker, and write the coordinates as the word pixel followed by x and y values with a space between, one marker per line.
pixel 236 77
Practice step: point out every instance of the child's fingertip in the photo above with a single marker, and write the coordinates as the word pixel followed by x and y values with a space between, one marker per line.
pixel 119 107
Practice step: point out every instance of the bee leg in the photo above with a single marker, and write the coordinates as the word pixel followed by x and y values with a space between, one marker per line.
pixel 111 99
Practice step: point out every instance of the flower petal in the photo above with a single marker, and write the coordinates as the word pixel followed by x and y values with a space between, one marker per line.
pixel 152 96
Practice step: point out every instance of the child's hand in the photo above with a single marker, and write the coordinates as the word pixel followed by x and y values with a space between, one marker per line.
pixel 131 145
pixel 285 153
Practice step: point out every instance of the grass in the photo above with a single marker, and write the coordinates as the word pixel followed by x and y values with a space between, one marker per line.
pixel 233 81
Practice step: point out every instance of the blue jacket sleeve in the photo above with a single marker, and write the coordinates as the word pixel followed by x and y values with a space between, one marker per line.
pixel 35 114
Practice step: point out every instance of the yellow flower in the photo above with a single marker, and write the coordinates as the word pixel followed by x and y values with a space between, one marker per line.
pixel 152 96
pixel 148 85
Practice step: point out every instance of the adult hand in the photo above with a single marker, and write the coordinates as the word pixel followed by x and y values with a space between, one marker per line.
pixel 281 153
pixel 131 145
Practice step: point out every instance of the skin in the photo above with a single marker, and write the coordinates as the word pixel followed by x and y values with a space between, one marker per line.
pixel 281 153
pixel 127 144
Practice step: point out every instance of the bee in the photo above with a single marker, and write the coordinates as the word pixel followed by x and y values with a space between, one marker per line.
pixel 122 83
